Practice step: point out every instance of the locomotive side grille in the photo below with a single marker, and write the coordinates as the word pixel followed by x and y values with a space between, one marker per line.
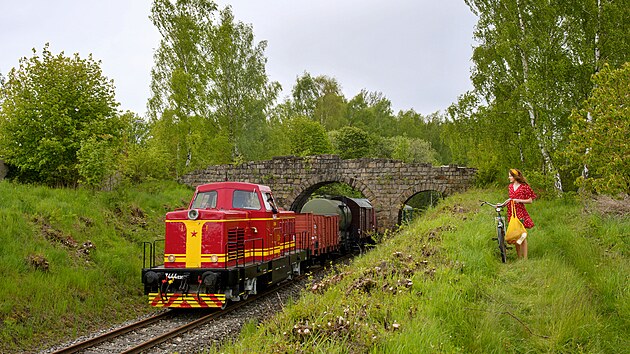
pixel 236 244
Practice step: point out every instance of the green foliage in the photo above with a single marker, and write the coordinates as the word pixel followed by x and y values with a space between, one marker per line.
pixel 278 142
pixel 179 78
pixel 351 143
pixel 240 90
pixel 478 138
pixel 599 138
pixel 319 98
pixel 532 67
pixel 212 102
pixel 139 158
pixel 412 150
pixel 96 158
pixel 52 106
pixel 305 95
pixel 210 91
pixel 337 189
pixel 142 163
pixel 308 137
pixel 372 112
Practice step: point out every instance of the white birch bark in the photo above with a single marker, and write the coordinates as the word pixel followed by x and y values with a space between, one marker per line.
pixel 589 117
pixel 532 114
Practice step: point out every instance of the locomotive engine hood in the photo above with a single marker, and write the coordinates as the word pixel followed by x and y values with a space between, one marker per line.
pixel 204 214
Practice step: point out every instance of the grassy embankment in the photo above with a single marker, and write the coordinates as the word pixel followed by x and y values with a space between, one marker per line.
pixel 70 259
pixel 439 286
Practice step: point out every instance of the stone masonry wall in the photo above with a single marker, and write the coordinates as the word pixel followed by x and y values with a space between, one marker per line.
pixel 388 184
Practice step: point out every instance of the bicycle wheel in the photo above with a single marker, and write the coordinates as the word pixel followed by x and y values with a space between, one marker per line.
pixel 501 241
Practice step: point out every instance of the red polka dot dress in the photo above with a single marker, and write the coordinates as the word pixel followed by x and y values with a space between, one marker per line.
pixel 524 191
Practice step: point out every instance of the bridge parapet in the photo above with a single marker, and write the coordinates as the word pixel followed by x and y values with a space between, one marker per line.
pixel 387 183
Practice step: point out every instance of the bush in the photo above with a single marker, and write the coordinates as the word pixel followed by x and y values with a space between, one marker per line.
pixel 351 143
pixel 599 138
pixel 50 108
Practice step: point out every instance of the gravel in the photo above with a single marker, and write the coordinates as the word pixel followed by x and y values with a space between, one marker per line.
pixel 202 338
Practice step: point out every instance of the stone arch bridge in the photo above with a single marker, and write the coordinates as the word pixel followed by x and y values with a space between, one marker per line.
pixel 388 184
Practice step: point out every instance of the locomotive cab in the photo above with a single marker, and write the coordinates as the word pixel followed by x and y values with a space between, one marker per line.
pixel 231 240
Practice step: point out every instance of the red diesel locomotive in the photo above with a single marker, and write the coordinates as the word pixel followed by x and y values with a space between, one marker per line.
pixel 231 240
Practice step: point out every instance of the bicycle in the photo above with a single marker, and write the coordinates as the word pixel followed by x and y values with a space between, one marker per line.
pixel 500 228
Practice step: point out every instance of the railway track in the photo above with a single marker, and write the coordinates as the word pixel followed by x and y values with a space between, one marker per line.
pixel 115 333
pixel 128 339
pixel 143 335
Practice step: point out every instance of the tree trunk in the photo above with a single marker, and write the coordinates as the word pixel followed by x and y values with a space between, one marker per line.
pixel 532 114
pixel 589 117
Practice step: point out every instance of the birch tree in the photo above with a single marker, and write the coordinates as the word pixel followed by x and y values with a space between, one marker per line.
pixel 599 35
pixel 534 62
pixel 210 92
pixel 320 98
pixel 239 91
pixel 516 68
pixel 178 107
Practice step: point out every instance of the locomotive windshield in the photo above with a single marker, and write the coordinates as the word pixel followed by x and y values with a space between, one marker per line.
pixel 205 200
pixel 245 200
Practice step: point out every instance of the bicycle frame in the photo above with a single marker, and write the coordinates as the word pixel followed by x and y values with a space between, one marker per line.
pixel 500 220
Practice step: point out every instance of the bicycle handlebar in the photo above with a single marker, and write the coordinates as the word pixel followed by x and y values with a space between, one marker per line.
pixel 498 205
pixel 492 205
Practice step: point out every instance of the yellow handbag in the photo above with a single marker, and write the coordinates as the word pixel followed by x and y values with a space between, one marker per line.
pixel 515 228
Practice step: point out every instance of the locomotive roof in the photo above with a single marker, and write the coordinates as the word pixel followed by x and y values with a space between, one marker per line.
pixel 232 185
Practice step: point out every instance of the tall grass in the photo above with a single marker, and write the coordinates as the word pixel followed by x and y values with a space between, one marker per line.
pixel 80 288
pixel 439 286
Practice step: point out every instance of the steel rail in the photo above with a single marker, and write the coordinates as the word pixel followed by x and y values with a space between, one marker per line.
pixel 205 319
pixel 181 329
pixel 113 334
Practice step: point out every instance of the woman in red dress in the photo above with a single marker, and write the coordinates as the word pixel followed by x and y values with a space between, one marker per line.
pixel 521 193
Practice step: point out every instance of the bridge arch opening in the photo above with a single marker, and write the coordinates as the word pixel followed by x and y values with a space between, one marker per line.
pixel 417 204
pixel 325 189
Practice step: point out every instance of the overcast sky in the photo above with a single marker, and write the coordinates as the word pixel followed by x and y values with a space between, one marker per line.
pixel 416 52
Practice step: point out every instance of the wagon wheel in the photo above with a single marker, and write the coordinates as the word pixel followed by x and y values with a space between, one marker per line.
pixel 250 288
pixel 297 268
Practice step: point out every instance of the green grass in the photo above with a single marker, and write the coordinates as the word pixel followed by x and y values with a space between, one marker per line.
pixel 79 291
pixel 438 286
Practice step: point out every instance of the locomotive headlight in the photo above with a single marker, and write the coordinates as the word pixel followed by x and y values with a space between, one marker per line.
pixel 171 258
pixel 214 258
pixel 193 214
